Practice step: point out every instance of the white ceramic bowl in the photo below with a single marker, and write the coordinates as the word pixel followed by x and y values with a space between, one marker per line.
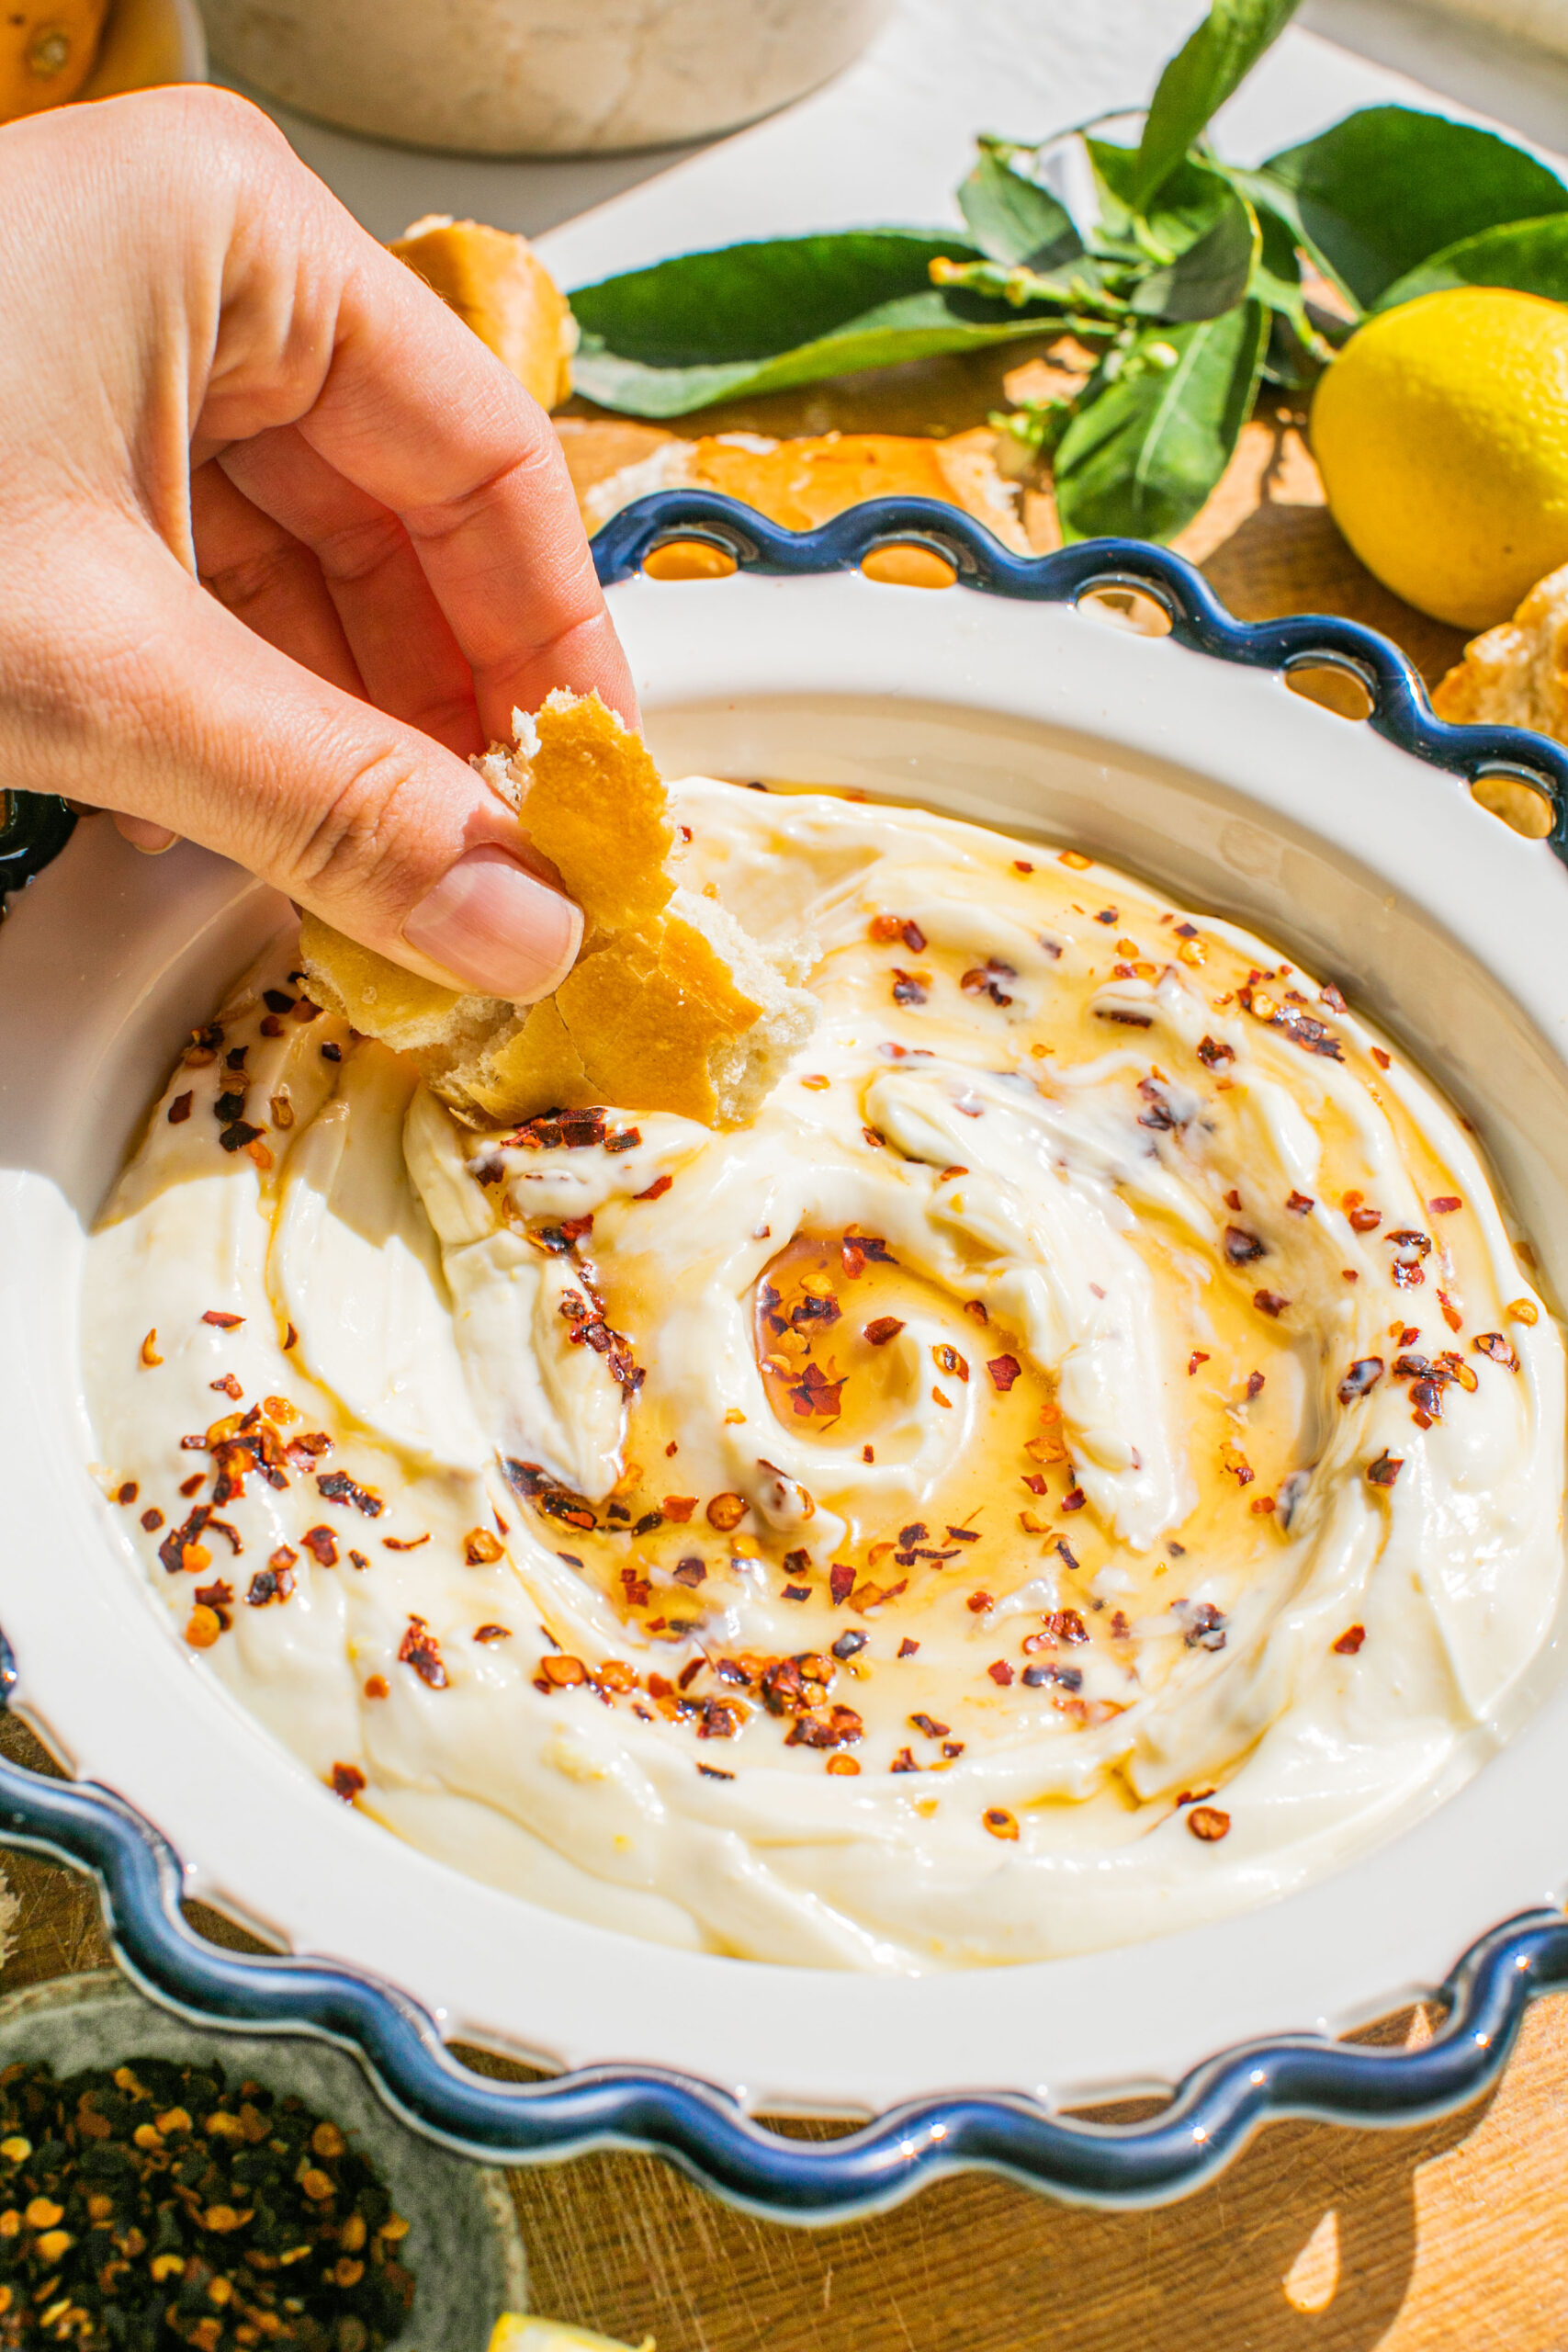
pixel 1236 794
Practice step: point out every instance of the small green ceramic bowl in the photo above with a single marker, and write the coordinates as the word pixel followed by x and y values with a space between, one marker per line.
pixel 463 2245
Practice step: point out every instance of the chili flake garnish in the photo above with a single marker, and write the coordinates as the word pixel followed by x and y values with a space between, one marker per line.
pixel 347 1782
pixel 322 1545
pixel 1208 1824
pixel 1003 1371
pixel 1000 1822
pixel 419 1649
pixel 1493 1344
pixel 885 1328
pixel 1385 1469
pixel 337 1486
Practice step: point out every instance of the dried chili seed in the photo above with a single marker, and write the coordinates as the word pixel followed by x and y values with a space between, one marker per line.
pixel 179 1108
pixel 1000 1822
pixel 481 1548
pixel 348 1781
pixel 885 1328
pixel 1207 1823
pixel 725 1512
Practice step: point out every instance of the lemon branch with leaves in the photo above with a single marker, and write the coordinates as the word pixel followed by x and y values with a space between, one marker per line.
pixel 1184 279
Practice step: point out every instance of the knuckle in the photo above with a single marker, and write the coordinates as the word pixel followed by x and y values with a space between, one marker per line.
pixel 373 837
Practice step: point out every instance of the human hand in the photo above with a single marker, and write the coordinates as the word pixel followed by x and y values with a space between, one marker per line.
pixel 282 544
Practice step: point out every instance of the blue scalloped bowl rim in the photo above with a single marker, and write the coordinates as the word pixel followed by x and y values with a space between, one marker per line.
pixel 1215 2111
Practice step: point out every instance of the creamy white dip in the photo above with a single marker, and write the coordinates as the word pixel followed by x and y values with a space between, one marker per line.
pixel 1087 1458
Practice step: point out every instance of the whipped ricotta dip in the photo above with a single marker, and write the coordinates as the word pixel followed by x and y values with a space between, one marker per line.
pixel 1086 1459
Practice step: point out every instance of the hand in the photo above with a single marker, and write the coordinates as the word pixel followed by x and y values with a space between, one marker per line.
pixel 281 543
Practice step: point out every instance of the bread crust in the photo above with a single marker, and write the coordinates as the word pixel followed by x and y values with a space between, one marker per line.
pixel 670 1007
pixel 1517 674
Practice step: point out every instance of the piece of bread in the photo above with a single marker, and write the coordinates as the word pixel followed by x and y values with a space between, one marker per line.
pixel 802 483
pixel 1517 674
pixel 48 47
pixel 499 287
pixel 670 1007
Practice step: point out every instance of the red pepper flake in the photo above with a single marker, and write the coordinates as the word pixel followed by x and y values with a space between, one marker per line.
pixel 949 1362
pixel 795 1592
pixel 481 1548
pixel 1493 1344
pixel 999 1672
pixel 1451 1315
pixel 885 1327
pixel 840 1584
pixel 904 1762
pixel 906 1648
pixel 403 1542
pixel 1208 1824
pixel 152 1519
pixel 1364 1373
pixel 1197 1357
pixel 1023 866
pixel 1351 1640
pixel 725 1512
pixel 347 1782
pixel 1000 1822
pixel 223 1322
pixel 1444 1205
pixel 1385 1469
pixel 657 1190
pixel 979 1602
pixel 1240 1247
pixel 1379 1056
pixel 1269 1301
pixel 377 1686
pixel 691 1573
pixel 337 1486
pixel 290 1339
pixel 228 1386
pixel 1034 1481
pixel 322 1545
pixel 179 1110
pixel 1264 1506
pixel 910 988
pixel 1074 1499
pixel 1300 1204
pixel 929 1725
pixel 419 1649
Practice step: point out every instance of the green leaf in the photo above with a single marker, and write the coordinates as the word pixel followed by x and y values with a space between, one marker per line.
pixel 1148 446
pixel 706 327
pixel 1389 187
pixel 752 302
pixel 1197 81
pixel 1212 275
pixel 1530 255
pixel 1012 218
pixel 920 326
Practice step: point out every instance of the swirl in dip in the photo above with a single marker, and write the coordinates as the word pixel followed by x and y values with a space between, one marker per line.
pixel 1086 1459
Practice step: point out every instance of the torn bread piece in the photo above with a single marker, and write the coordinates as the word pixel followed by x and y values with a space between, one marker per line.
pixel 804 482
pixel 501 289
pixel 1517 674
pixel 670 1007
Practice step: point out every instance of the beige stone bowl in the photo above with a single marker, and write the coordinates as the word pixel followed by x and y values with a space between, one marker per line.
pixel 538 77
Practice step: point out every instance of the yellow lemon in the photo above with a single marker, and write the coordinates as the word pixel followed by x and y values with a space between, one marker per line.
pixel 1442 433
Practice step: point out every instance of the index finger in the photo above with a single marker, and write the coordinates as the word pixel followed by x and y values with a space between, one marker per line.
pixel 417 414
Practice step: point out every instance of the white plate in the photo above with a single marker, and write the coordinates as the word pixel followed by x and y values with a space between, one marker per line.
pixel 1373 868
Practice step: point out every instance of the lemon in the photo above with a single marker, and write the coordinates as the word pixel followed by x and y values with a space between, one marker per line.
pixel 1442 433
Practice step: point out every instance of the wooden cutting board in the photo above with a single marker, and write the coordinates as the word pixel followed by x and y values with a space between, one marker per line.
pixel 1450 2236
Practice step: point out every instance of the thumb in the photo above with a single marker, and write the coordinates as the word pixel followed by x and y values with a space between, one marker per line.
pixel 203 728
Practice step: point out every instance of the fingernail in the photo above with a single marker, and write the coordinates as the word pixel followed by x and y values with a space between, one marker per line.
pixel 497 928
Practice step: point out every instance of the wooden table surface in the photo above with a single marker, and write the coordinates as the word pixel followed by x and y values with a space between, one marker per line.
pixel 1454 2235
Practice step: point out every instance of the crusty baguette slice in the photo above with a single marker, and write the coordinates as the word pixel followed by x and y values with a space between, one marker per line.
pixel 804 482
pixel 501 288
pixel 671 1007
pixel 1517 674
